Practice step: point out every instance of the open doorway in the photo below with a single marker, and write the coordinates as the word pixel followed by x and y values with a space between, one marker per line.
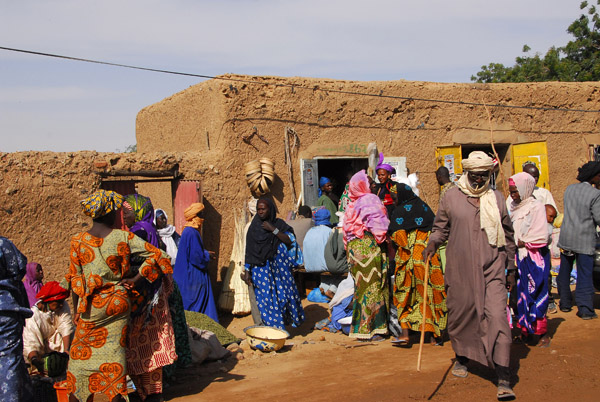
pixel 502 150
pixel 338 170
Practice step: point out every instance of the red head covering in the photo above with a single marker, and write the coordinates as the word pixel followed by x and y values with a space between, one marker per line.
pixel 52 291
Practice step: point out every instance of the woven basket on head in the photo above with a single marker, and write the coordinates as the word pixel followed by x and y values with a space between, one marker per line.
pixel 260 174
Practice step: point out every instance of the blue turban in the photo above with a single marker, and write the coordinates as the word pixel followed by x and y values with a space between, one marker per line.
pixel 322 217
pixel 324 180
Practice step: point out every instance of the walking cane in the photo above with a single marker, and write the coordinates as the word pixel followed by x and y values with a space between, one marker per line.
pixel 425 288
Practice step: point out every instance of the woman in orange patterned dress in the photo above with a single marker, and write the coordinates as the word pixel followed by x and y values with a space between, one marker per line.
pixel 99 277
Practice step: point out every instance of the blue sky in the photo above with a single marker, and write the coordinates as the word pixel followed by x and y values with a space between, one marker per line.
pixel 58 105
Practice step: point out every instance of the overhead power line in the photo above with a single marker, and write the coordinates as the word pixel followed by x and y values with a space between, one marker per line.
pixel 294 87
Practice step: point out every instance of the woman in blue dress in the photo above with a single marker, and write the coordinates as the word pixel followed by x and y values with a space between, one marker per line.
pixel 15 384
pixel 269 268
pixel 191 266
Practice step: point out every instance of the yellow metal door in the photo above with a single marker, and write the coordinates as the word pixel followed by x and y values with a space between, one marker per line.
pixel 450 157
pixel 532 152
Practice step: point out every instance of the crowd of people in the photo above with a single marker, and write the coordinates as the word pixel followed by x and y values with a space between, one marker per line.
pixel 390 267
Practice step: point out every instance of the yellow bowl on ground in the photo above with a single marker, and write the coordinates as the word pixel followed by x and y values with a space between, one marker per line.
pixel 264 338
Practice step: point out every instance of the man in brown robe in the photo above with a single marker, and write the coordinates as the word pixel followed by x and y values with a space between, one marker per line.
pixel 473 219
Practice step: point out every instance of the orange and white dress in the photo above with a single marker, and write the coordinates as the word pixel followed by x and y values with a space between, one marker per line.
pixel 97 358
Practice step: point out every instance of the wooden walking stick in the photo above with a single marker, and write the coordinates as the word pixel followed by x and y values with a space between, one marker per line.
pixel 425 288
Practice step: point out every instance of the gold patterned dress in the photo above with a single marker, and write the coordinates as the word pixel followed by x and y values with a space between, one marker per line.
pixel 368 266
pixel 409 281
pixel 97 265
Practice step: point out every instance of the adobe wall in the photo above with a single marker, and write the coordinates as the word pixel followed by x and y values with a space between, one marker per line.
pixel 202 130
pixel 40 194
pixel 213 117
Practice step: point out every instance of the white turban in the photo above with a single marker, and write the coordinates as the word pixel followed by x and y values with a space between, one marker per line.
pixel 478 160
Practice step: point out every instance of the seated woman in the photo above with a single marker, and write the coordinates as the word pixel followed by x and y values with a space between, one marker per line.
pixel 50 328
pixel 340 308
pixel 268 266
pixel 410 226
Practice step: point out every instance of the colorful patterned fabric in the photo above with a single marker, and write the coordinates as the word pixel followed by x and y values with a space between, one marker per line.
pixel 276 292
pixel 344 199
pixel 368 266
pixel 532 289
pixel 101 203
pixel 15 385
pixel 411 212
pixel 409 280
pixel 151 344
pixel 180 328
pixel 365 211
pixel 144 218
pixel 97 265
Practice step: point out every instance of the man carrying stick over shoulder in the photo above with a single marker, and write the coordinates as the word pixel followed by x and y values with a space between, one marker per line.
pixel 473 219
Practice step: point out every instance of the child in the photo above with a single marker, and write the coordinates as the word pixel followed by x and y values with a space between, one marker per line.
pixel 551 214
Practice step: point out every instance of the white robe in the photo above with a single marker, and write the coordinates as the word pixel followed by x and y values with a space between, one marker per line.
pixel 44 331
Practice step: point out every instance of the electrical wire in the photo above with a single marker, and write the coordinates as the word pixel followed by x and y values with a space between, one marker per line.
pixel 294 87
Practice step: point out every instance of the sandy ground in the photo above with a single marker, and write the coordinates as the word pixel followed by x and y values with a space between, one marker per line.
pixel 319 366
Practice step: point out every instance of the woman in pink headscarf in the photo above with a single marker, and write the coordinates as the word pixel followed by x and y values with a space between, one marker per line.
pixel 528 216
pixel 365 227
pixel 33 281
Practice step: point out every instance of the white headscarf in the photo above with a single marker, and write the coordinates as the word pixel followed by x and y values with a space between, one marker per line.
pixel 166 234
pixel 489 214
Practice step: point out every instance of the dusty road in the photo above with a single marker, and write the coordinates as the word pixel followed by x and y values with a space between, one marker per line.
pixel 317 366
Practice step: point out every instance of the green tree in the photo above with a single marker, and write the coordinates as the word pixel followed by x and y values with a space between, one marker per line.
pixel 579 60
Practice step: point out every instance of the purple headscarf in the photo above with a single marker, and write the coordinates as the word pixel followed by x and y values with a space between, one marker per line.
pixel 144 217
pixel 32 285
pixel 385 166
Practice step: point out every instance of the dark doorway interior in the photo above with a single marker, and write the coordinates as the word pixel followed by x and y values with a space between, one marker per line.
pixel 339 171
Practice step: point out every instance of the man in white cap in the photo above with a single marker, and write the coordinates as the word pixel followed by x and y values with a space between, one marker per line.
pixel 473 219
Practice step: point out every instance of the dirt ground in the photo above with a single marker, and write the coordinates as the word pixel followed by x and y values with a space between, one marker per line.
pixel 319 366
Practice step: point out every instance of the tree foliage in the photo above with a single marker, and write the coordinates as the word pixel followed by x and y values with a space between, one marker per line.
pixel 578 60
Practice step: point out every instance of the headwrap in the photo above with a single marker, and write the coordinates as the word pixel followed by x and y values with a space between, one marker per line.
pixel 13 266
pixel 489 214
pixel 101 203
pixel 478 161
pixel 365 211
pixel 528 217
pixel 191 215
pixel 385 166
pixel 322 216
pixel 144 217
pixel 32 285
pixel 52 291
pixel 588 171
pixel 252 206
pixel 166 235
pixel 261 244
pixel 322 181
pixel 411 212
